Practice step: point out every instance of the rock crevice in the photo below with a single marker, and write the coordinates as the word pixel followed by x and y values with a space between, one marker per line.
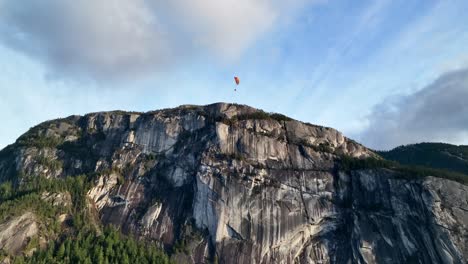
pixel 253 190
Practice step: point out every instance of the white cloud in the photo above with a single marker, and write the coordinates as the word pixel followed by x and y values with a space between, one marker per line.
pixel 110 39
pixel 438 112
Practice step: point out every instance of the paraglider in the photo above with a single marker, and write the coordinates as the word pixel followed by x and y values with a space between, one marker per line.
pixel 237 80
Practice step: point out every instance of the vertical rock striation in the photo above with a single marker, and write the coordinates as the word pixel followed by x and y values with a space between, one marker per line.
pixel 242 186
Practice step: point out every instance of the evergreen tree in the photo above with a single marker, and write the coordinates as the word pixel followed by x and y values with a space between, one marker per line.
pixel 61 251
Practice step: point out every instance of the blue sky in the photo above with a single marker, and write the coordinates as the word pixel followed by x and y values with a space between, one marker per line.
pixel 356 66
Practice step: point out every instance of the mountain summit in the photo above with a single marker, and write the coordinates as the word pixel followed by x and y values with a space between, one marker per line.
pixel 226 183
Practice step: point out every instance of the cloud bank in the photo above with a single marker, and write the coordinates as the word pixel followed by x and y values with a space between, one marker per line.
pixel 112 39
pixel 439 112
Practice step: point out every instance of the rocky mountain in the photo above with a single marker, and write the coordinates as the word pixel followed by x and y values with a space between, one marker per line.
pixel 225 183
pixel 435 155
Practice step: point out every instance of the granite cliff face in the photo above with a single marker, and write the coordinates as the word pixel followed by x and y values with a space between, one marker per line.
pixel 235 185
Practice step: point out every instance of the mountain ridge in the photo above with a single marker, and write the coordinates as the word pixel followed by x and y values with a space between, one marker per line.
pixel 230 184
pixel 431 154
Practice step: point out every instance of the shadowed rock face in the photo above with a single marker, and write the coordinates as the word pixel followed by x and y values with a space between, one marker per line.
pixel 241 187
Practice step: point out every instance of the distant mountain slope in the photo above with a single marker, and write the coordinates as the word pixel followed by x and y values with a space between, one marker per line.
pixel 435 155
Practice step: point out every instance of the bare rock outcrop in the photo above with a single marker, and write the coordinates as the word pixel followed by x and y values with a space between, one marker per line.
pixel 17 232
pixel 231 183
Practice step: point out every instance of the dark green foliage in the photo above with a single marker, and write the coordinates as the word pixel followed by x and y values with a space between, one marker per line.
pixel 150 157
pixel 258 115
pixel 189 236
pixel 32 202
pixel 180 111
pixel 49 134
pixel 435 155
pixel 49 162
pixel 119 172
pixel 317 126
pixel 15 201
pixel 122 112
pixel 225 120
pixel 6 190
pixel 84 148
pixel 181 247
pixel 32 243
pixel 76 149
pixel 7 152
pixel 109 247
pixel 34 137
pixel 261 115
pixel 419 171
pixel 347 163
pixel 280 117
pixel 82 244
pixel 151 160
pixel 33 140
pixel 322 147
pixel 120 179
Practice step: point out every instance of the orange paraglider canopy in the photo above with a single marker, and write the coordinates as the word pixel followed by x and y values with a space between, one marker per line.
pixel 237 80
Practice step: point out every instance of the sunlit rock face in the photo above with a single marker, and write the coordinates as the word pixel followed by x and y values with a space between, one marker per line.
pixel 240 186
pixel 16 232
